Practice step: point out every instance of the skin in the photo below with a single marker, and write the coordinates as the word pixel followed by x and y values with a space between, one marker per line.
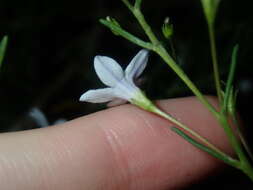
pixel 121 148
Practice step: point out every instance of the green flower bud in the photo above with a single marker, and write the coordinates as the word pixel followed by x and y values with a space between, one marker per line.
pixel 167 28
pixel 232 101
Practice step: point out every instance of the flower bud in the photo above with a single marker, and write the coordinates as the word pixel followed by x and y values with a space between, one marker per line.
pixel 167 28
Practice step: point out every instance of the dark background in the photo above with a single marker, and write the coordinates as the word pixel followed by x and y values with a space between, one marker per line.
pixel 49 60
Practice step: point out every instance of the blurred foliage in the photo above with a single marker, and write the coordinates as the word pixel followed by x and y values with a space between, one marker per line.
pixel 49 60
pixel 3 45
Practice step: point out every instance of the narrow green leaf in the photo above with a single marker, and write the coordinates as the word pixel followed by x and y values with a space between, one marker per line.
pixel 229 93
pixel 3 45
pixel 225 159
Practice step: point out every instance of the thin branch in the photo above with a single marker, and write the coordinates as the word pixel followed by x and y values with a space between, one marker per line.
pixel 128 4
pixel 117 29
pixel 137 4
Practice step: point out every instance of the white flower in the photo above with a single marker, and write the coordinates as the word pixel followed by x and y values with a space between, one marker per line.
pixel 120 83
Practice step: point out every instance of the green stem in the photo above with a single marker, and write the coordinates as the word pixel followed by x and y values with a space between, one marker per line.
pixel 241 136
pixel 128 4
pixel 137 4
pixel 194 142
pixel 143 102
pixel 160 50
pixel 126 35
pixel 147 29
pixel 248 170
pixel 167 58
pixel 245 165
pixel 215 61
pixel 184 127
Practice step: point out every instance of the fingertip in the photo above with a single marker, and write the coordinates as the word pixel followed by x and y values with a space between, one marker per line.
pixel 122 147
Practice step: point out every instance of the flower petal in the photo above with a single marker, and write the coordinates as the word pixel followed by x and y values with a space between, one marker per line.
pixel 137 65
pixel 98 95
pixel 108 70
